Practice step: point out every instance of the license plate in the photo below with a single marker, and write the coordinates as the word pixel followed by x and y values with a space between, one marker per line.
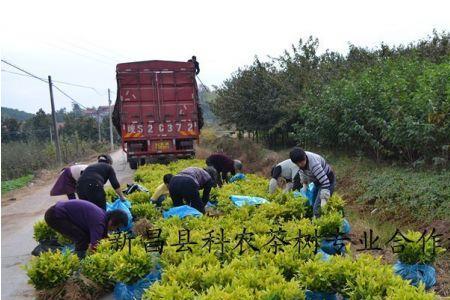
pixel 162 146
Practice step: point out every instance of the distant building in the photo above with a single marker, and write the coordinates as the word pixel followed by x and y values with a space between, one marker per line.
pixel 100 112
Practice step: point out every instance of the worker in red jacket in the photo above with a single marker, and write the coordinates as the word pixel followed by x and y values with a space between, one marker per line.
pixel 223 165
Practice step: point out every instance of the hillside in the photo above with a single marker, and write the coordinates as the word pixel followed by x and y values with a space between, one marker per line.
pixel 15 114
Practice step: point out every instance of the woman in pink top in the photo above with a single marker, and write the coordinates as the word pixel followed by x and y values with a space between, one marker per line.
pixel 66 184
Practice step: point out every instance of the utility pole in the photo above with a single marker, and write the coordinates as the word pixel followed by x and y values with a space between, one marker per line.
pixel 111 138
pixel 55 127
pixel 51 137
pixel 99 125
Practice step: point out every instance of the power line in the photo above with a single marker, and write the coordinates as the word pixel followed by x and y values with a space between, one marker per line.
pixel 92 52
pixel 62 82
pixel 80 54
pixel 34 76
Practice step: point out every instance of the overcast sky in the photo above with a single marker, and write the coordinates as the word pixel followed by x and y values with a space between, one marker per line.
pixel 81 41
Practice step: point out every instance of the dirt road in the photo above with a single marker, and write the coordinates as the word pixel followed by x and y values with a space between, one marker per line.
pixel 18 217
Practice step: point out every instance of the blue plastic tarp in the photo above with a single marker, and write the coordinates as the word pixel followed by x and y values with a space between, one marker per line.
pixel 333 246
pixel 240 201
pixel 416 273
pixel 126 207
pixel 134 291
pixel 237 177
pixel 181 211
pixel 324 256
pixel 310 193
pixel 310 295
pixel 346 228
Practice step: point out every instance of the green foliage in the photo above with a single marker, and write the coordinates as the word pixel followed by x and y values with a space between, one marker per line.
pixel 393 102
pixel 51 269
pixel 62 240
pixel 43 232
pixel 172 290
pixel 130 267
pixel 145 210
pixel 11 113
pixel 111 194
pixel 424 195
pixel 139 197
pixel 13 184
pixel 329 225
pixel 419 249
pixel 97 267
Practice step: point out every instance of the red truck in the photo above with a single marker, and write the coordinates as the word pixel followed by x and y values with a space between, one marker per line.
pixel 157 110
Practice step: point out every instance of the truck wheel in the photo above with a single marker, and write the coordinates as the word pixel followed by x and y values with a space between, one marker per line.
pixel 133 164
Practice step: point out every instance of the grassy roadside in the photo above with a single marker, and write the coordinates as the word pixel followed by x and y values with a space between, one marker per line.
pixel 10 185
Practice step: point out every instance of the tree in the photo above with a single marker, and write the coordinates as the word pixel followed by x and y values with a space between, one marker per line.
pixel 38 127
pixel 11 130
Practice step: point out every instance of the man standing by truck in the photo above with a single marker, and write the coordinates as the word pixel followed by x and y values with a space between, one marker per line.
pixel 314 168
pixel 196 64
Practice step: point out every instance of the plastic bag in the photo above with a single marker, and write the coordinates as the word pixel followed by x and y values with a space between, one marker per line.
pixel 333 246
pixel 240 201
pixel 310 295
pixel 346 228
pixel 182 212
pixel 310 193
pixel 237 177
pixel 134 187
pixel 416 273
pixel 123 291
pixel 125 206
pixel 325 256
pixel 51 245
pixel 44 246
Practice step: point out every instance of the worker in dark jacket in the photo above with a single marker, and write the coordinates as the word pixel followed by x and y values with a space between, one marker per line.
pixel 196 64
pixel 314 168
pixel 223 165
pixel 83 222
pixel 184 187
pixel 90 184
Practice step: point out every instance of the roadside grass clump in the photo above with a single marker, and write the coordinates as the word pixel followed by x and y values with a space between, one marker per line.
pixel 13 184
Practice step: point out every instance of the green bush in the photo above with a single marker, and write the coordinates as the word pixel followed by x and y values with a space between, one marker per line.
pixel 172 290
pixel 97 267
pixel 139 197
pixel 42 232
pixel 111 194
pixel 13 184
pixel 51 269
pixel 130 267
pixel 419 249
pixel 329 224
pixel 145 210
